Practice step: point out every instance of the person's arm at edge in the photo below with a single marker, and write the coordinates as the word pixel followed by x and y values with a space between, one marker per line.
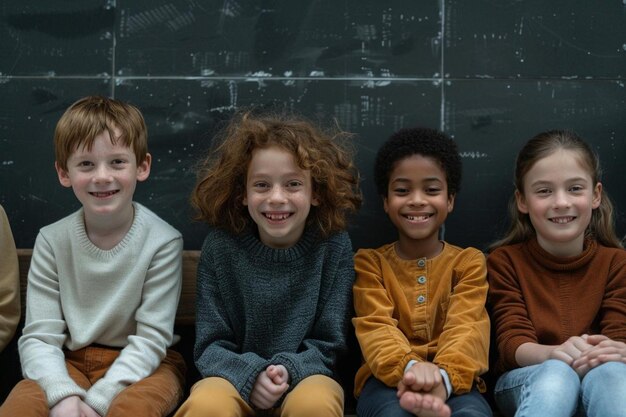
pixel 10 309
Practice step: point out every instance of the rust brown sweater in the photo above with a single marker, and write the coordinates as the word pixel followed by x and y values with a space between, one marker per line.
pixel 540 298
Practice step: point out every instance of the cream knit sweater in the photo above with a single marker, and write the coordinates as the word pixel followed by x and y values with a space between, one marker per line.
pixel 79 295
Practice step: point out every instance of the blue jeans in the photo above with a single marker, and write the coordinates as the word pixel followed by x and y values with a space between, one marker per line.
pixel 379 400
pixel 554 389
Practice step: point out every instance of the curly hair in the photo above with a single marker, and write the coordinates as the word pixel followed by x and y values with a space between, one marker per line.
pixel 90 116
pixel 221 178
pixel 418 141
pixel 542 145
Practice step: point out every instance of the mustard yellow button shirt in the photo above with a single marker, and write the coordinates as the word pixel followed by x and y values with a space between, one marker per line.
pixel 422 309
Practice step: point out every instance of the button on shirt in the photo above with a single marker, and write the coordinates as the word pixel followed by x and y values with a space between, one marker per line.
pixel 421 314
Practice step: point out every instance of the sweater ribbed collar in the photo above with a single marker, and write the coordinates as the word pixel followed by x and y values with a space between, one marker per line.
pixel 558 263
pixel 258 249
pixel 81 234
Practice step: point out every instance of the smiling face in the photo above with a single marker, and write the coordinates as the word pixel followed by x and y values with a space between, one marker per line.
pixel 279 196
pixel 418 203
pixel 559 196
pixel 104 177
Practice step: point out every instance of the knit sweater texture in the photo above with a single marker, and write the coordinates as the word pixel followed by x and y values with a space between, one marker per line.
pixel 9 283
pixel 537 297
pixel 79 295
pixel 258 306
pixel 422 309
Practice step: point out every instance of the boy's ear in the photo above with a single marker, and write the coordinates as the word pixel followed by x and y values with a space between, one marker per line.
pixel 385 205
pixel 143 169
pixel 451 202
pixel 521 202
pixel 64 177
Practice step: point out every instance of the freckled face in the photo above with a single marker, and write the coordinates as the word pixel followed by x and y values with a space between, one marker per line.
pixel 559 197
pixel 279 196
pixel 104 177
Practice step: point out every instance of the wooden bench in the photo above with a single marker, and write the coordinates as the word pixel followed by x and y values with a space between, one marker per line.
pixel 184 326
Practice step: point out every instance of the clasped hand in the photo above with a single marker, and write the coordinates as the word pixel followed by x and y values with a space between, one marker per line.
pixel 422 391
pixel 270 385
pixel 583 353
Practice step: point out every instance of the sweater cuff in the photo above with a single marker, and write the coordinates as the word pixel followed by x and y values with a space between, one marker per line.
pixel 101 394
pixel 408 365
pixel 446 382
pixel 510 348
pixel 294 372
pixel 244 382
pixel 57 389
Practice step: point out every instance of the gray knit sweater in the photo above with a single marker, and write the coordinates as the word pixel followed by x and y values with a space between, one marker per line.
pixel 258 306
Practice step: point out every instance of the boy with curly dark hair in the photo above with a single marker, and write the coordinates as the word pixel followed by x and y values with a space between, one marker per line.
pixel 420 318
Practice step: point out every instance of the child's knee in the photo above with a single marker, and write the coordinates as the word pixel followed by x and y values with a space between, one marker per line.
pixel 558 370
pixel 610 375
pixel 555 377
pixel 26 399
pixel 213 397
pixel 315 396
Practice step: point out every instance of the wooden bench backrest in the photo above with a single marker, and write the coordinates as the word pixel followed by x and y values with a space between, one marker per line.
pixel 186 314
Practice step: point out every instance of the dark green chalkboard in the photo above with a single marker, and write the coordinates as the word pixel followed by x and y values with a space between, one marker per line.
pixel 491 74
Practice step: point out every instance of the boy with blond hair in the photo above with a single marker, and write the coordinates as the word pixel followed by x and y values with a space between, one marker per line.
pixel 104 282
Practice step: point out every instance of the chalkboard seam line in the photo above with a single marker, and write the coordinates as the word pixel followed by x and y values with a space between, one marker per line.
pixel 442 109
pixel 201 78
pixel 437 80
